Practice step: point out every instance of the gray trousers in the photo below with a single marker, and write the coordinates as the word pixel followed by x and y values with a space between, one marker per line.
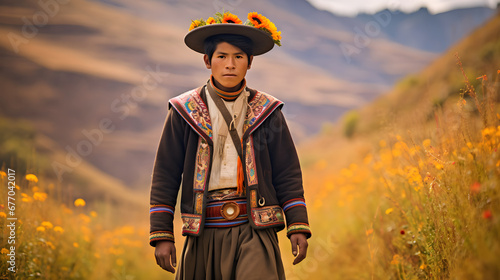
pixel 239 252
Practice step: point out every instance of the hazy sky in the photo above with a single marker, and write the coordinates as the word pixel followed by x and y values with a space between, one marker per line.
pixel 352 7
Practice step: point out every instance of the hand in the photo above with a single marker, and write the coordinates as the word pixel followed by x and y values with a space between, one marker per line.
pixel 299 239
pixel 164 253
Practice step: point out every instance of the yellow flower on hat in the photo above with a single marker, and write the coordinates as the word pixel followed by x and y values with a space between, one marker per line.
pixel 196 23
pixel 230 18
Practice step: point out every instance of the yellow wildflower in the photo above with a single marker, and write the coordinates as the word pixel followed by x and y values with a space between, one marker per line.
pixel 85 218
pixel 426 143
pixel 58 229
pixel 79 202
pixel 3 174
pixel 3 215
pixel 4 251
pixel 40 228
pixel 368 232
pixel 40 196
pixel 35 189
pixel 50 245
pixel 32 178
pixel 389 211
pixel 47 224
pixel 76 245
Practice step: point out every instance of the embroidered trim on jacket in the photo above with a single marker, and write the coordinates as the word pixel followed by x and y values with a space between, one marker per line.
pixel 250 163
pixel 293 203
pixel 161 235
pixel 298 228
pixel 193 106
pixel 159 208
pixel 190 223
pixel 267 216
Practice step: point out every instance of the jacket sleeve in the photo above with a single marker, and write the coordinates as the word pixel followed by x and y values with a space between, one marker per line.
pixel 166 178
pixel 287 175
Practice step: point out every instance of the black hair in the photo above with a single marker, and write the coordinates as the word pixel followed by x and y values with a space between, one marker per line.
pixel 242 42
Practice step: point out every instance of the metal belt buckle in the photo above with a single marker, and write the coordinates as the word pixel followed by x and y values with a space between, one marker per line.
pixel 230 210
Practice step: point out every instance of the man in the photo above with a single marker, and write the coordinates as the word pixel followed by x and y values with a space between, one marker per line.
pixel 230 148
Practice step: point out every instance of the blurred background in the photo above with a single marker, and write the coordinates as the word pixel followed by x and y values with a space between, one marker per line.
pixel 84 93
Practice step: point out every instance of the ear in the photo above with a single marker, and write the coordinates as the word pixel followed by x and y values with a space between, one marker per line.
pixel 250 62
pixel 207 62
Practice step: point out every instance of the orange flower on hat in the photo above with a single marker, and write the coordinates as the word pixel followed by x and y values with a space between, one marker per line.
pixel 258 20
pixel 271 28
pixel 230 18
pixel 211 20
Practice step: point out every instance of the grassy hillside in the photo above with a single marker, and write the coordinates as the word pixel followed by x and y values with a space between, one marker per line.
pixel 84 64
pixel 407 187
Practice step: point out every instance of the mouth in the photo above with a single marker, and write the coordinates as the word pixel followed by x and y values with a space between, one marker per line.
pixel 229 75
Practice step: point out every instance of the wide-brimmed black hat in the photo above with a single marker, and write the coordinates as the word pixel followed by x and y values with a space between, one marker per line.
pixel 262 41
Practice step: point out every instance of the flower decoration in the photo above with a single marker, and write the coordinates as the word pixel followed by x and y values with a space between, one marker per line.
pixel 253 19
pixel 211 20
pixel 230 18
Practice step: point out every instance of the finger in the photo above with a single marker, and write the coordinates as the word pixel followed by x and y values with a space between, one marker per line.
pixel 302 253
pixel 168 267
pixel 173 256
pixel 293 240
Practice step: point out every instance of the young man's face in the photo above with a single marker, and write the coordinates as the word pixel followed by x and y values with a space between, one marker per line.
pixel 229 66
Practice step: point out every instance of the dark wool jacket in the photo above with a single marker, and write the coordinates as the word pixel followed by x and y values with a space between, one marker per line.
pixel 273 178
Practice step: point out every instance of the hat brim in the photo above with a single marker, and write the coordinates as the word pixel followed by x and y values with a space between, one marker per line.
pixel 262 41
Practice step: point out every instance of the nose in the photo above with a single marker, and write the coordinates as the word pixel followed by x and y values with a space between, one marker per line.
pixel 230 63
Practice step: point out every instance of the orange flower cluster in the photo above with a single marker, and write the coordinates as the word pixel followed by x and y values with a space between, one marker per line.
pixel 254 19
pixel 261 22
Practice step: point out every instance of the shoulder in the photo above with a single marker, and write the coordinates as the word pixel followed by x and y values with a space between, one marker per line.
pixel 261 98
pixel 185 97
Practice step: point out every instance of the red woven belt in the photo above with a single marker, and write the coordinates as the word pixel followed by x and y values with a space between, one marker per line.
pixel 226 213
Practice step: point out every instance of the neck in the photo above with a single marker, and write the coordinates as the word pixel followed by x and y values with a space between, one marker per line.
pixel 227 94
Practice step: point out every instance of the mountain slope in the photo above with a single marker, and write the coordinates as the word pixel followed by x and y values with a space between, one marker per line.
pixel 122 60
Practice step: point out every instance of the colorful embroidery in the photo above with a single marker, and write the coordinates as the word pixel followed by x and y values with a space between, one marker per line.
pixel 161 235
pixel 158 208
pixel 194 106
pixel 199 202
pixel 256 108
pixel 191 223
pixel 294 203
pixel 253 198
pixel 250 163
pixel 298 227
pixel 223 194
pixel 202 161
pixel 266 216
pixel 258 105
